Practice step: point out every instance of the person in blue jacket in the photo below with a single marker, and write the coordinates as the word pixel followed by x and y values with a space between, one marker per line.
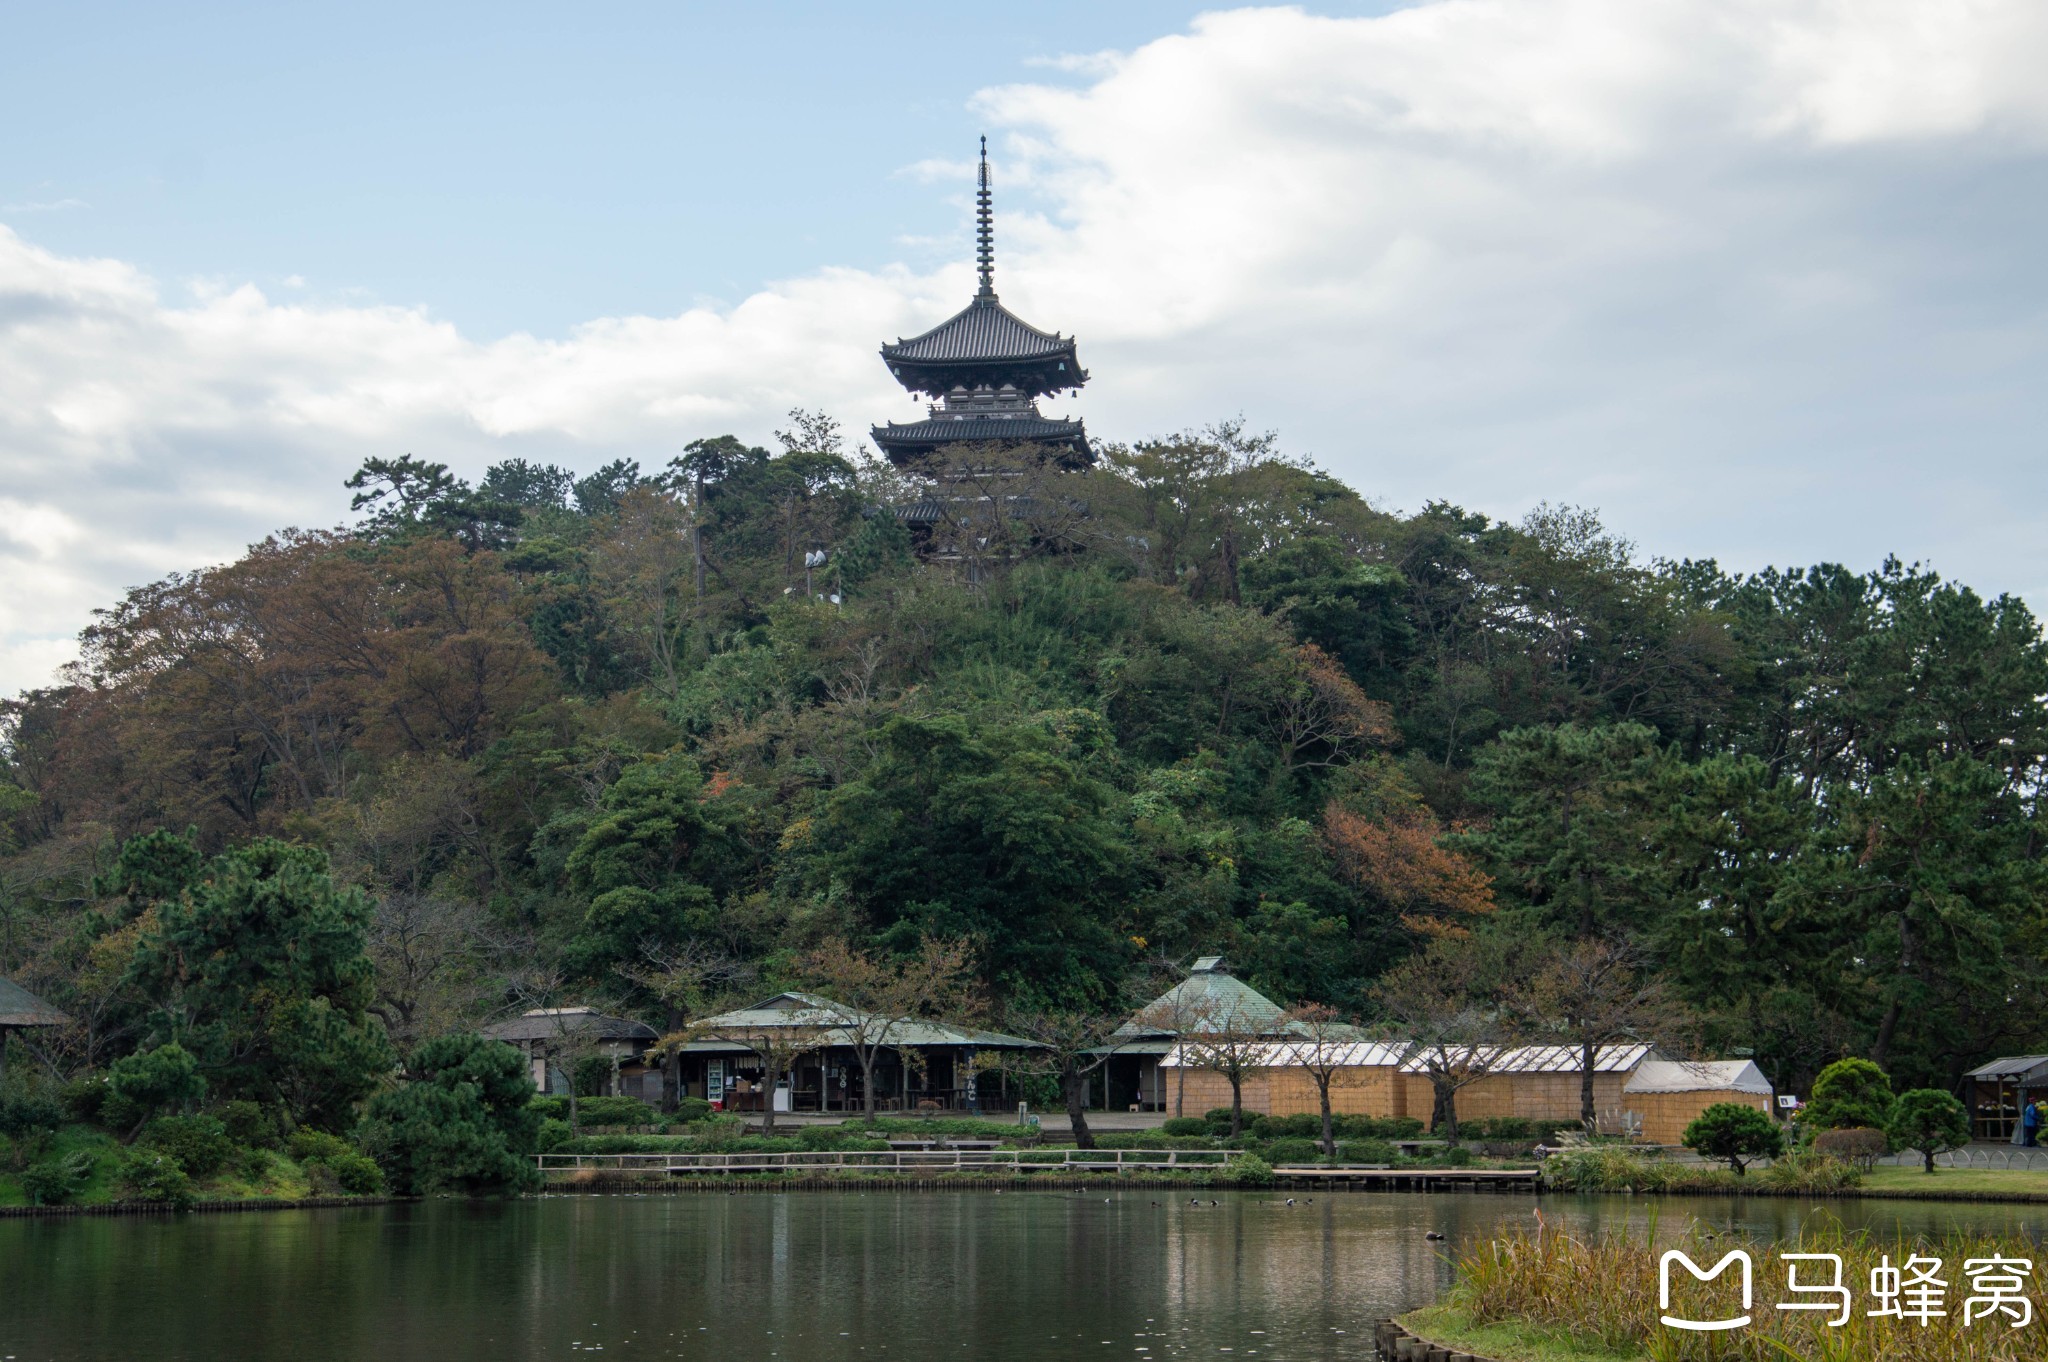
pixel 2030 1125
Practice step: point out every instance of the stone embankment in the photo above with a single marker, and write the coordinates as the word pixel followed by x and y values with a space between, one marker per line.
pixel 1394 1343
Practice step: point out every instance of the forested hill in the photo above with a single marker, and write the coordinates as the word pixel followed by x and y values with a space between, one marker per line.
pixel 1200 699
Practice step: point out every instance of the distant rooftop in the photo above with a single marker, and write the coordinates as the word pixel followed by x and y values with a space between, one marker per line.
pixel 21 1008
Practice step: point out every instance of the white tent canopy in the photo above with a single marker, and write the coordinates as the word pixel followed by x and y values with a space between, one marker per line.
pixel 1702 1075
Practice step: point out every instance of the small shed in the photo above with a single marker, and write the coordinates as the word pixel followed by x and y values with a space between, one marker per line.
pixel 1999 1089
pixel 552 1037
pixel 21 1010
pixel 1667 1094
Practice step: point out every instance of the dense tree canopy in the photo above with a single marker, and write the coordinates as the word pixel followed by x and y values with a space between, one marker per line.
pixel 538 735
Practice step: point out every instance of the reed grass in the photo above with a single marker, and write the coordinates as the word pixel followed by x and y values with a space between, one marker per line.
pixel 1601 1293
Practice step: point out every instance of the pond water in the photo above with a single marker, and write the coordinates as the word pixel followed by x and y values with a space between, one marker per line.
pixel 804 1276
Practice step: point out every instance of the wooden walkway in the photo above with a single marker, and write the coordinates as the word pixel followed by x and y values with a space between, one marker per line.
pixel 1415 1179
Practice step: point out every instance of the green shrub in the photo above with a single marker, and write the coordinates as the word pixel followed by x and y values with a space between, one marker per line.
pixel 253 1164
pixel 838 1137
pixel 358 1174
pixel 1249 1170
pixel 926 1127
pixel 465 1122
pixel 552 1135
pixel 148 1174
pixel 1457 1156
pixel 143 1084
pixel 1148 1139
pixel 1301 1126
pixel 1506 1129
pixel 1293 1150
pixel 1616 1168
pixel 692 1109
pixel 1735 1133
pixel 549 1108
pixel 1184 1125
pixel 1849 1093
pixel 56 1182
pixel 1377 1127
pixel 198 1144
pixel 1366 1151
pixel 249 1124
pixel 24 1112
pixel 615 1111
pixel 318 1146
pixel 1931 1121
pixel 83 1097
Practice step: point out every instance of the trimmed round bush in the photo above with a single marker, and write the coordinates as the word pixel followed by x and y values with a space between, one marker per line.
pixel 1184 1125
pixel 1366 1151
pixel 1850 1093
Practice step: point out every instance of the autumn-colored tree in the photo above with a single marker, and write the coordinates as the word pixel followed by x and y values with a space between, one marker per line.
pixel 882 996
pixel 1395 854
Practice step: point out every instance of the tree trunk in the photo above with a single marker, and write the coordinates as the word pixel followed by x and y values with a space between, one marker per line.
pixel 1880 1053
pixel 1445 1117
pixel 867 1060
pixel 1928 1156
pixel 1180 1089
pixel 1236 1104
pixel 1588 1053
pixel 1075 1085
pixel 1329 1125
pixel 770 1077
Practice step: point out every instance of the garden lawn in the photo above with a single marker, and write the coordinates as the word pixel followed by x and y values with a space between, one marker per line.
pixel 1453 1328
pixel 1957 1181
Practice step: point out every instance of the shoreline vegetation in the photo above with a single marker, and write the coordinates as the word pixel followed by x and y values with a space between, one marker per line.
pixel 180 1163
pixel 1540 1295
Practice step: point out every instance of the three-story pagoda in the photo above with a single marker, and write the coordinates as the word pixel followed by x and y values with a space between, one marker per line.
pixel 984 369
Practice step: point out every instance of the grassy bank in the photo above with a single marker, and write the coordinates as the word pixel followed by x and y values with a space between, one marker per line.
pixel 1506 1342
pixel 80 1166
pixel 1598 1297
pixel 1957 1182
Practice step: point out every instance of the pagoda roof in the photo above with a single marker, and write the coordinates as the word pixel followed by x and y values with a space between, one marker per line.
pixel 910 438
pixel 984 330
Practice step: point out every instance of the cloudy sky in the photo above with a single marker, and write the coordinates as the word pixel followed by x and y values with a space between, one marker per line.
pixel 1760 281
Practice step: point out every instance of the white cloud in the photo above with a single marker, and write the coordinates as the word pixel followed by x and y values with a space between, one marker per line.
pixel 1759 279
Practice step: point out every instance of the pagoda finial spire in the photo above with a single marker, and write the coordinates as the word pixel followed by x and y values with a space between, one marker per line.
pixel 985 231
